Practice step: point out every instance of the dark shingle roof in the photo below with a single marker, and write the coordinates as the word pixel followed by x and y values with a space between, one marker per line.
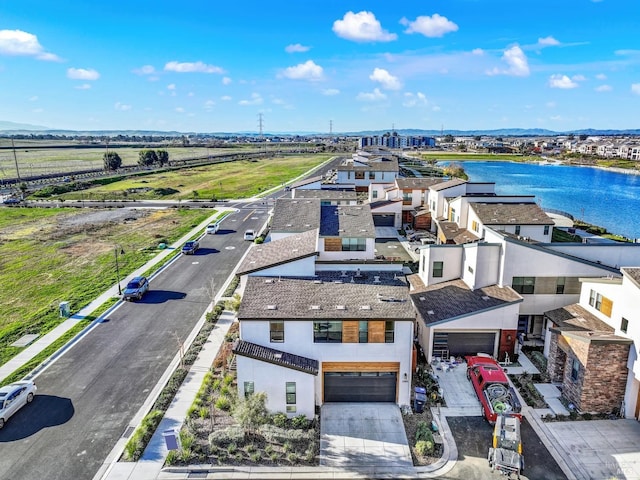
pixel 454 299
pixel 418 183
pixel 377 165
pixel 277 252
pixel 528 213
pixel 326 194
pixel 576 317
pixel 276 357
pixel 452 231
pixel 295 216
pixel 454 182
pixel 352 221
pixel 633 273
pixel 329 295
pixel 306 181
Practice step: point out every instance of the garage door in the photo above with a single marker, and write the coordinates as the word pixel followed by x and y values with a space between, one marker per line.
pixel 384 219
pixel 360 386
pixel 460 344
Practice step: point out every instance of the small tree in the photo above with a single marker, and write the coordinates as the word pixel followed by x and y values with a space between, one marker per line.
pixel 163 157
pixel 147 157
pixel 251 412
pixel 112 161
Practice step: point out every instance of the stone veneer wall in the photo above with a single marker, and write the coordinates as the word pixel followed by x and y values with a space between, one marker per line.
pixel 602 377
pixel 556 359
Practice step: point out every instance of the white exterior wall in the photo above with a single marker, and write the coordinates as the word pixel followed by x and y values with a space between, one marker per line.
pixel 298 339
pixel 626 304
pixel 484 260
pixel 350 268
pixel 382 194
pixel 439 198
pixel 473 217
pixel 451 256
pixel 614 255
pixel 474 188
pixel 534 232
pixel 368 254
pixel 272 379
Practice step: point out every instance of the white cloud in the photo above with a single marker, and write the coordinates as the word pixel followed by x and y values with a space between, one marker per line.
pixel 171 86
pixel 123 107
pixel 329 92
pixel 635 88
pixel 604 88
pixel 436 108
pixel 296 48
pixel 191 67
pixel 550 104
pixel 209 104
pixel 226 81
pixel 517 63
pixel 578 78
pixel 430 26
pixel 33 99
pixel 477 51
pixel 412 100
pixel 19 43
pixel 601 76
pixel 362 27
pixel 374 96
pixel 179 109
pixel 225 98
pixel 145 70
pixel 256 99
pixel 548 42
pixel 561 81
pixel 84 86
pixel 82 74
pixel 304 71
pixel 387 80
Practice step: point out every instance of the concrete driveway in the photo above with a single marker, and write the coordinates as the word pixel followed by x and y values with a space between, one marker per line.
pixel 459 396
pixel 356 435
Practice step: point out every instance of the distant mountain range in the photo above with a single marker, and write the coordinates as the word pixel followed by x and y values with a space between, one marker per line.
pixel 13 128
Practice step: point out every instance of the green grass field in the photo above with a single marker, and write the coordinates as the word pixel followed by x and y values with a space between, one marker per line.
pixel 240 179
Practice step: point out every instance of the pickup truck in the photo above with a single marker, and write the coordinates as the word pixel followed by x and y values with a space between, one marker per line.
pixel 492 387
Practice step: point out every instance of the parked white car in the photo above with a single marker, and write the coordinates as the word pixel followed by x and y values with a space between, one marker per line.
pixel 250 235
pixel 13 397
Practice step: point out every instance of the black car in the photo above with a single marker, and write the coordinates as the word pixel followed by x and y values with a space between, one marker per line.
pixel 136 288
pixel 190 247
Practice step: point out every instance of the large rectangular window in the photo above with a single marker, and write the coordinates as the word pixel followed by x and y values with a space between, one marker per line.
pixel 624 325
pixel 560 285
pixel 546 230
pixel 327 332
pixel 354 244
pixel 359 175
pixel 374 194
pixel 524 285
pixel 276 331
pixel 438 269
pixel 372 175
pixel 389 331
pixel 575 369
pixel 248 389
pixel 363 331
pixel 517 229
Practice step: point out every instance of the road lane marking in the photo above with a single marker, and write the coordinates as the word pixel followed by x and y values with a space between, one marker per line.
pixel 249 215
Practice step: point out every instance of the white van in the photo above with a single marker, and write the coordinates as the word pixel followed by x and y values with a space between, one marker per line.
pixel 212 228
pixel 250 235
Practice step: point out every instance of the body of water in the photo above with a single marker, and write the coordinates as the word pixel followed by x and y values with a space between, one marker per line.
pixel 600 197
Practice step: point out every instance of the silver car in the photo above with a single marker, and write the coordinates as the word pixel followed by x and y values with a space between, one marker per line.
pixel 13 397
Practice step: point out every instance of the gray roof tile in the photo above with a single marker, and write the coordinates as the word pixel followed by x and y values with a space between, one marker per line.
pixel 295 216
pixel 526 213
pixel 352 221
pixel 277 252
pixel 418 183
pixel 326 194
pixel 276 357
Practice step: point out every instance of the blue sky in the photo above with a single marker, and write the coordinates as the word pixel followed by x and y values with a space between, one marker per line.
pixel 211 66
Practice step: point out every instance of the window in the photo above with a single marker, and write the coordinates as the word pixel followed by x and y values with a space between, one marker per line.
pixel 359 175
pixel 372 175
pixel 438 269
pixel 560 285
pixel 354 244
pixel 546 229
pixel 327 332
pixel 524 285
pixel 374 194
pixel 592 298
pixel 517 229
pixel 291 393
pixel 407 197
pixel 276 331
pixel 575 369
pixel 389 327
pixel 452 214
pixel 474 226
pixel 624 325
pixel 248 389
pixel 363 331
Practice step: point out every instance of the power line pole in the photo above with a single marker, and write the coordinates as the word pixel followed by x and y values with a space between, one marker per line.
pixel 260 128
pixel 330 127
pixel 15 158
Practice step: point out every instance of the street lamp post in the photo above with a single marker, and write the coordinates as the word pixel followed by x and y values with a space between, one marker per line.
pixel 115 250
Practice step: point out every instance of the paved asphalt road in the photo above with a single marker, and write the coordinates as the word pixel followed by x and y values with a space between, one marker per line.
pixel 87 398
pixel 473 439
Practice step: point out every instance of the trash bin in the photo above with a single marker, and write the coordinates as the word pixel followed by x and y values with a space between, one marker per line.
pixel 65 309
pixel 419 399
pixel 171 439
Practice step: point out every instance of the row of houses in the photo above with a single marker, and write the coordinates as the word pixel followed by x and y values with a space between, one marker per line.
pixel 323 319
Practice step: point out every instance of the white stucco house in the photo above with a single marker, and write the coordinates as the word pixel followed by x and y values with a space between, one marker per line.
pixel 361 171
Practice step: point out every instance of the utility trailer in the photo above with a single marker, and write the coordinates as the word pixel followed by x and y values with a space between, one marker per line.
pixel 505 456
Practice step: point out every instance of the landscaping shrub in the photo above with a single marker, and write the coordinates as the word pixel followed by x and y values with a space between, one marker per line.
pixel 279 420
pixel 172 457
pixel 274 434
pixel 300 421
pixel 232 434
pixel 424 447
pixel 223 403
pixel 423 432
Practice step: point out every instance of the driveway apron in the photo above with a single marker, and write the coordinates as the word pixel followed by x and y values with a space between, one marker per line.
pixel 363 435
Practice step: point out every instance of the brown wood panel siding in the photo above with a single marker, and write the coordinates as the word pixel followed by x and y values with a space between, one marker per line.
pixel 333 244
pixel 360 367
pixel 376 331
pixel 350 331
pixel 606 306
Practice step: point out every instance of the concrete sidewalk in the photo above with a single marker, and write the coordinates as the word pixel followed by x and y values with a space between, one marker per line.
pixel 41 344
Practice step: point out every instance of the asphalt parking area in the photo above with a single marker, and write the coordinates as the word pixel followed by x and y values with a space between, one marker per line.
pixel 392 250
pixel 473 439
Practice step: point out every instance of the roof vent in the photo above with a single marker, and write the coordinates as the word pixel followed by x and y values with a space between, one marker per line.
pixel 485 297
pixel 376 279
pixel 337 281
pixel 343 273
pixel 430 312
pixel 294 250
pixel 340 307
pixel 422 299
pixel 317 281
pixel 269 280
pixel 272 307
pixel 314 307
pixel 365 307
pixel 277 355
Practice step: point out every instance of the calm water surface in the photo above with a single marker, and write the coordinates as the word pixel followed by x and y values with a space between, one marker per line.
pixel 599 197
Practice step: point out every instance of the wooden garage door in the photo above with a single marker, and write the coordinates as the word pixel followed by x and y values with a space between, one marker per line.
pixel 360 386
